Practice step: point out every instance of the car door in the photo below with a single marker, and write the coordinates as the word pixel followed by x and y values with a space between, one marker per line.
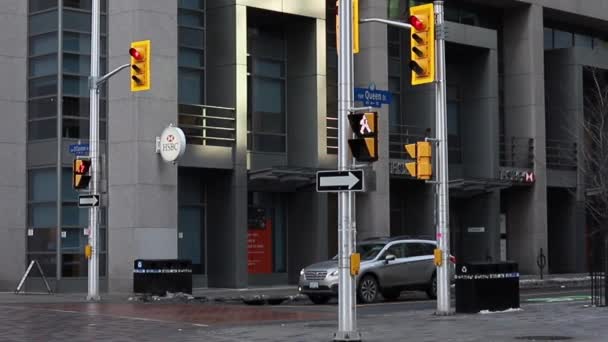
pixel 389 272
pixel 419 263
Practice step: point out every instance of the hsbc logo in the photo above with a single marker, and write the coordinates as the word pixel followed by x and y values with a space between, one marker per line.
pixel 518 175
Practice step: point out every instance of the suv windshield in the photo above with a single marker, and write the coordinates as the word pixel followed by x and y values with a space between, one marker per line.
pixel 369 251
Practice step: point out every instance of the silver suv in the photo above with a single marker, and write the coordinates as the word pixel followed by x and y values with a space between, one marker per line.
pixel 388 266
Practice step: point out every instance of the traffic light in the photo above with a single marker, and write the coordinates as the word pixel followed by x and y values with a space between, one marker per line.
pixel 81 173
pixel 365 127
pixel 355 25
pixel 422 153
pixel 140 65
pixel 422 44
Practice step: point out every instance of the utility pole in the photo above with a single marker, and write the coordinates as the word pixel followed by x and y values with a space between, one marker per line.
pixel 347 317
pixel 93 280
pixel 94 83
pixel 443 223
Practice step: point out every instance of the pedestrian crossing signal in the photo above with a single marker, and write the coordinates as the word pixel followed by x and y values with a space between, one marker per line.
pixel 81 173
pixel 364 147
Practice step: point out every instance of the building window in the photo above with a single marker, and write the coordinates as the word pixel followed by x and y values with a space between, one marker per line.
pixel 191 54
pixel 266 119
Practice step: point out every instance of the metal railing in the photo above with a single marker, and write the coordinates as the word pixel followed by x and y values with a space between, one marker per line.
pixel 400 135
pixel 332 135
pixel 561 154
pixel 516 152
pixel 207 125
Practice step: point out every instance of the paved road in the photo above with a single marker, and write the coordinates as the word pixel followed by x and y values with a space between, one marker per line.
pixel 407 320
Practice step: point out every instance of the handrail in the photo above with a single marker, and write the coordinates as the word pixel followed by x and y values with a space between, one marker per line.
pixel 222 134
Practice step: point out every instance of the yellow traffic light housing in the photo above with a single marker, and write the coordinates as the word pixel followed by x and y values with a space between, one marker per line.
pixel 140 65
pixel 355 25
pixel 422 153
pixel 438 257
pixel 364 147
pixel 81 173
pixel 422 43
pixel 355 264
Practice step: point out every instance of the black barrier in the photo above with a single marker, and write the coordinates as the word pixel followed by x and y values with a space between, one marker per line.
pixel 158 277
pixel 598 269
pixel 486 286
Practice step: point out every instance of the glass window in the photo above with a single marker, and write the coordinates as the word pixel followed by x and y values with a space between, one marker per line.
pixel 43 86
pixel 548 35
pixel 76 128
pixel 191 18
pixel 81 4
pixel 43 65
pixel 43 44
pixel 369 251
pixel 583 41
pixel 190 227
pixel 43 240
pixel 42 129
pixel 42 108
pixel 269 143
pixel 73 240
pixel 81 43
pixel 268 68
pixel 562 39
pixel 77 21
pixel 418 249
pixel 191 58
pixel 75 86
pixel 42 23
pixel 39 5
pixel 191 4
pixel 191 37
pixel 398 250
pixel 42 185
pixel 78 106
pixel 191 86
pixel 269 122
pixel 43 215
pixel 67 191
pixel 268 95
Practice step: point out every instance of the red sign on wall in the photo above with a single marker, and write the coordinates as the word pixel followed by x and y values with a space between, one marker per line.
pixel 259 248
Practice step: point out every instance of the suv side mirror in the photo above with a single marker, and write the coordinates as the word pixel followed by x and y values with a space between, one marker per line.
pixel 389 257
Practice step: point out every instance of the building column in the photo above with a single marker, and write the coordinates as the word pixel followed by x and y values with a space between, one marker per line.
pixel 524 111
pixel 371 66
pixel 13 133
pixel 142 189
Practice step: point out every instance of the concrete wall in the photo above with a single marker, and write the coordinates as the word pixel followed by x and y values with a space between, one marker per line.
pixel 524 106
pixel 142 190
pixel 13 90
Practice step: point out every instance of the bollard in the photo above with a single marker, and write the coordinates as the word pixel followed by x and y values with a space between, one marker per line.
pixel 541 261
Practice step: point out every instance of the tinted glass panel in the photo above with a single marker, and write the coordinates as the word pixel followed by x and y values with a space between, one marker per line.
pixel 73 239
pixel 43 86
pixel 75 86
pixel 268 95
pixel 48 263
pixel 42 185
pixel 191 37
pixel 191 58
pixel 43 215
pixel 42 129
pixel 43 44
pixel 39 5
pixel 369 251
pixel 76 128
pixel 43 65
pixel 192 4
pixel 42 23
pixel 269 143
pixel 78 107
pixel 40 108
pixel 268 68
pixel 77 21
pixel 191 18
pixel 67 191
pixel 191 86
pixel 562 39
pixel 269 122
pixel 43 240
pixel 82 4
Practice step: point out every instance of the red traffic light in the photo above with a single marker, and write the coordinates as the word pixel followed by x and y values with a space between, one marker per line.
pixel 136 54
pixel 417 23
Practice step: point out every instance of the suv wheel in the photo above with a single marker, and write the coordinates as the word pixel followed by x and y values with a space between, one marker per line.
pixel 318 299
pixel 367 290
pixel 431 291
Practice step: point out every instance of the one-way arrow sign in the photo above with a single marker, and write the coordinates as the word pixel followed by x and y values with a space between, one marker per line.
pixel 333 181
pixel 88 201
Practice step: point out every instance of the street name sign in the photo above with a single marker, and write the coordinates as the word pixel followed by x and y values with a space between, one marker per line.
pixel 79 149
pixel 88 201
pixel 336 181
pixel 373 97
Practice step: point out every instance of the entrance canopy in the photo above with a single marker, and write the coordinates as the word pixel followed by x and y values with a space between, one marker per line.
pixel 282 179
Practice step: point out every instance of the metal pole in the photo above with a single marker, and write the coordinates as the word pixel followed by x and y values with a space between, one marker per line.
pixel 93 279
pixel 443 223
pixel 347 325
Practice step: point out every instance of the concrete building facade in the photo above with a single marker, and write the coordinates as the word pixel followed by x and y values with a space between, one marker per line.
pixel 253 84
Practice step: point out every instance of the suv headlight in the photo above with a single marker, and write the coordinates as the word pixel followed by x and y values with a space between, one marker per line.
pixel 302 272
pixel 333 273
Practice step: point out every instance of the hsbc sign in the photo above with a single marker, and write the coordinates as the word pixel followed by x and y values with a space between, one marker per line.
pixel 171 144
pixel 524 176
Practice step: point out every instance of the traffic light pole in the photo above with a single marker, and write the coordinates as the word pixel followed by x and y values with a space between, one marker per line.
pixel 443 224
pixel 94 82
pixel 347 318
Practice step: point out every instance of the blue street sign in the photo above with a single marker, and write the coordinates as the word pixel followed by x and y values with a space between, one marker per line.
pixel 79 149
pixel 372 96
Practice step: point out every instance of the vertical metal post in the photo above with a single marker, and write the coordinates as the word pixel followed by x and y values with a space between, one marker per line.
pixel 347 324
pixel 93 275
pixel 443 223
